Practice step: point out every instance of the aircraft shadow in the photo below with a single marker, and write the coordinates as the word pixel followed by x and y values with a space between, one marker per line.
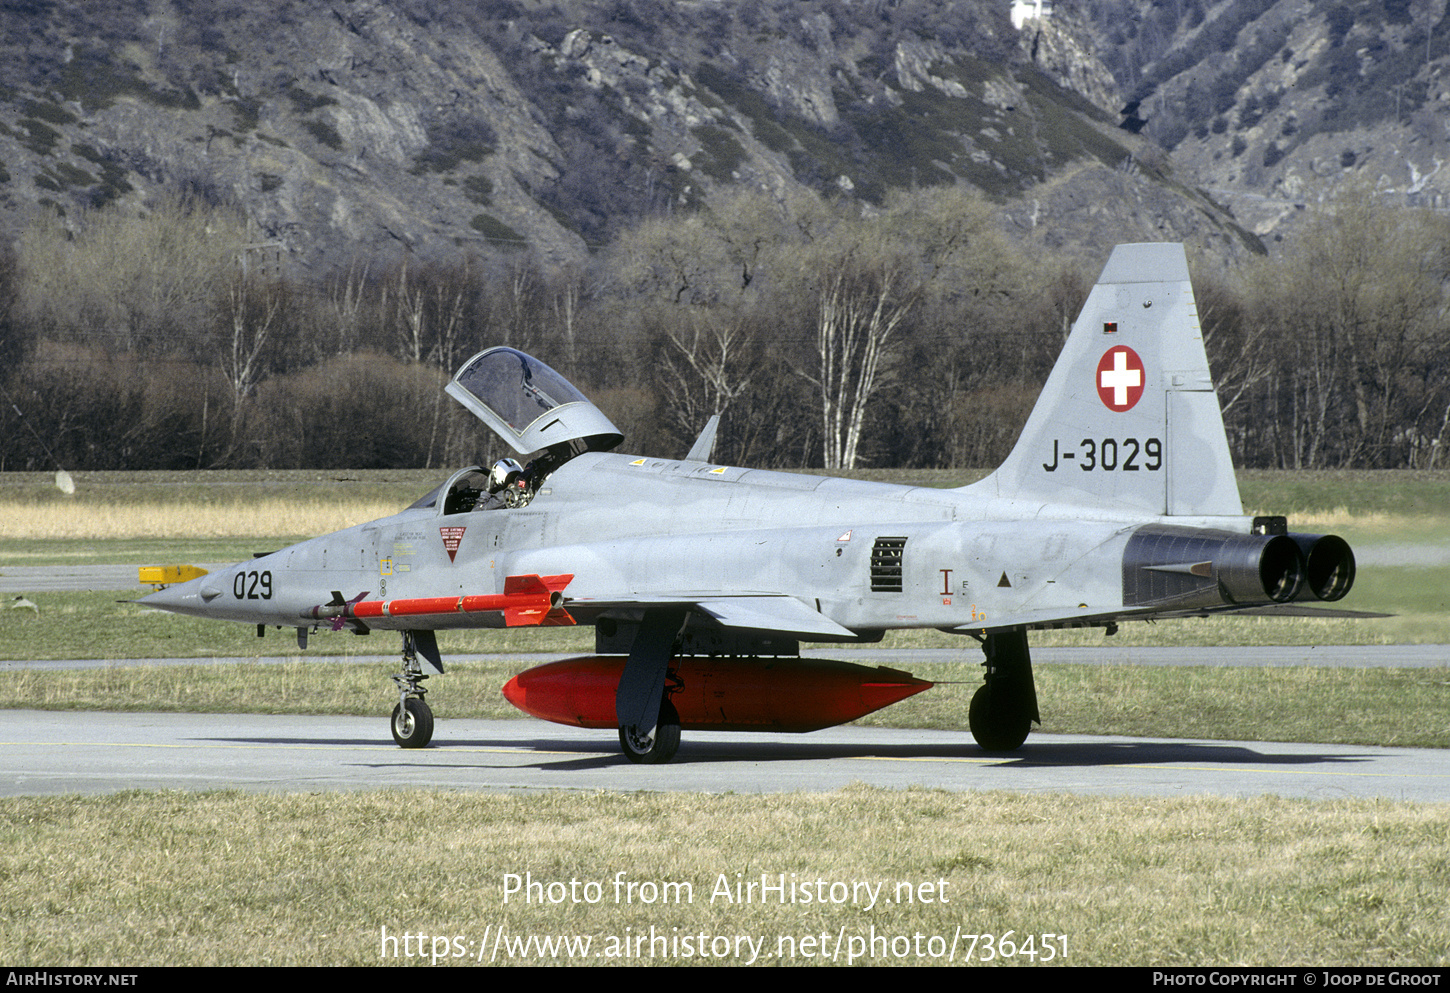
pixel 1042 754
pixel 1160 752
pixel 1052 754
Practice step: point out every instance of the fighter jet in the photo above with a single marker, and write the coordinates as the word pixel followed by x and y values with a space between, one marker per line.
pixel 701 580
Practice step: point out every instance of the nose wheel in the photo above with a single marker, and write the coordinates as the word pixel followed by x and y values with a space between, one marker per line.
pixel 412 720
pixel 412 723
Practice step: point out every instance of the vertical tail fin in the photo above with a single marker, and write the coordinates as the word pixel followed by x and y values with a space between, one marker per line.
pixel 1129 419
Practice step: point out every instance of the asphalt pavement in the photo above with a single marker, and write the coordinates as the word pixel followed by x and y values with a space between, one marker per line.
pixel 55 752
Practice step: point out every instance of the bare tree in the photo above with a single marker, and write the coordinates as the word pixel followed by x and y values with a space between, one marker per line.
pixel 707 363
pixel 861 295
pixel 412 315
pixel 1242 353
pixel 450 294
pixel 254 306
pixel 678 260
pixel 566 296
pixel 864 277
pixel 1357 311
pixel 142 282
pixel 345 299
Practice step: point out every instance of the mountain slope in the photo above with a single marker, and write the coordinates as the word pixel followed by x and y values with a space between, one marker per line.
pixel 374 127
pixel 1278 104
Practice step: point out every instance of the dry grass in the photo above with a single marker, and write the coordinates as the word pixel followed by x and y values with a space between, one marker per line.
pixel 1364 524
pixel 240 879
pixel 272 517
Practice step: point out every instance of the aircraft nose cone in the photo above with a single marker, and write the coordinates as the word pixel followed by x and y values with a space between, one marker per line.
pixel 184 598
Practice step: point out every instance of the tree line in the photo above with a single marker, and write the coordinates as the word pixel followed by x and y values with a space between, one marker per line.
pixel 915 336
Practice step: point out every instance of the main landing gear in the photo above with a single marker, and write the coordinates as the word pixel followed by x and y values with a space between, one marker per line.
pixel 649 725
pixel 1005 707
pixel 412 718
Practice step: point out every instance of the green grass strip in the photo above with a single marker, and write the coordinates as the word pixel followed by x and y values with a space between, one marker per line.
pixel 1406 707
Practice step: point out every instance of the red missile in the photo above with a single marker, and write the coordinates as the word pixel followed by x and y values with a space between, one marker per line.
pixel 718 694
pixel 525 600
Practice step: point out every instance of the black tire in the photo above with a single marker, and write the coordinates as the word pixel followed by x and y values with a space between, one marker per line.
pixel 995 731
pixel 656 749
pixel 413 727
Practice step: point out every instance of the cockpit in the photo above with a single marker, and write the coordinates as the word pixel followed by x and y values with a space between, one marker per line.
pixel 537 412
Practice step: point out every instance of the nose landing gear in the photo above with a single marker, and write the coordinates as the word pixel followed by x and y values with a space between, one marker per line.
pixel 412 720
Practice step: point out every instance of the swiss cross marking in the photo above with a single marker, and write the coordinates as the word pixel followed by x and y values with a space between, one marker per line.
pixel 1120 378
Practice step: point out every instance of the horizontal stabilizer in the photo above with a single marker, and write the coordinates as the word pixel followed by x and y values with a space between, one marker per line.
pixel 1305 610
pixel 1052 619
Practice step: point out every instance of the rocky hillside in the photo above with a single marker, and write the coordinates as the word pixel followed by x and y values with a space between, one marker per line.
pixel 371 128
pixel 1274 105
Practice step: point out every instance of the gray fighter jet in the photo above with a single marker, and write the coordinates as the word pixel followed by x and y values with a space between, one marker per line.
pixel 701 580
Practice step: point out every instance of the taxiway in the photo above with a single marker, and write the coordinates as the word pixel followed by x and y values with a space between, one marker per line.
pixel 56 752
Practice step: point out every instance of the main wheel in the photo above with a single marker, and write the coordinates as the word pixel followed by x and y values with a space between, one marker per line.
pixel 994 730
pixel 652 750
pixel 413 723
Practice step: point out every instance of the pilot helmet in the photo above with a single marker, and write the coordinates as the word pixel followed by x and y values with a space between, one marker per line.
pixel 504 472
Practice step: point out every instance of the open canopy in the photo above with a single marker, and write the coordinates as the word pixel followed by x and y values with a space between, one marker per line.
pixel 529 405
